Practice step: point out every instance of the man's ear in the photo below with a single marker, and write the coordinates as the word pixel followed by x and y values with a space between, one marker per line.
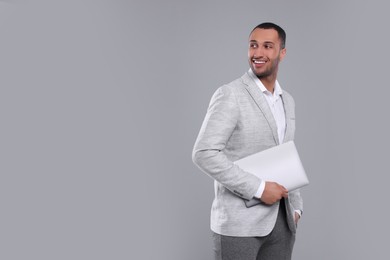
pixel 282 54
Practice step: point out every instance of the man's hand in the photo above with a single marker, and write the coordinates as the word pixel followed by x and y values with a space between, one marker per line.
pixel 273 192
pixel 297 217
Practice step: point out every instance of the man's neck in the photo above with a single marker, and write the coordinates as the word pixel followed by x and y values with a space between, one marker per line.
pixel 269 83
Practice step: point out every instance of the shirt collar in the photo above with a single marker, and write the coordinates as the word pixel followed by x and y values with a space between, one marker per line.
pixel 277 91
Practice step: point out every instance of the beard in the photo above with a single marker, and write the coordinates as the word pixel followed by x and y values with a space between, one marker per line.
pixel 272 69
pixel 263 74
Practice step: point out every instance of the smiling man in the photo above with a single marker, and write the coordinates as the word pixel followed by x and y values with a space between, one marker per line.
pixel 244 117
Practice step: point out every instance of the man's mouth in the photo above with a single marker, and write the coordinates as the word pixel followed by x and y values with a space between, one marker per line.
pixel 258 61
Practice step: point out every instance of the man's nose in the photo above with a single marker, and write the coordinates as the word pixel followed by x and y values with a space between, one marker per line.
pixel 258 52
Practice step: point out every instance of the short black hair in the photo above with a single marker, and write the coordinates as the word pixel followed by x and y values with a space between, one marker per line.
pixel 281 32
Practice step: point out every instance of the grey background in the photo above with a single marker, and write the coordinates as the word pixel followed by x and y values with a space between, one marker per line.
pixel 101 102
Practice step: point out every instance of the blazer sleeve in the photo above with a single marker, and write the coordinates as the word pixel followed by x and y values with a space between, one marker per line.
pixel 295 199
pixel 208 153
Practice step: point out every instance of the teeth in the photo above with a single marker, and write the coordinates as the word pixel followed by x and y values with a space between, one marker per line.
pixel 258 61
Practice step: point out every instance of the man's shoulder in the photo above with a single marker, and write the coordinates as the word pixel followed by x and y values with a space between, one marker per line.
pixel 287 95
pixel 234 86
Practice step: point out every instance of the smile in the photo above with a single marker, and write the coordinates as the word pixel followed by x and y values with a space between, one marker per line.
pixel 258 61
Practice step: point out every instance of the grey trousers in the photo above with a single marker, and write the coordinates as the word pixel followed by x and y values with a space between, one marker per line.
pixel 278 245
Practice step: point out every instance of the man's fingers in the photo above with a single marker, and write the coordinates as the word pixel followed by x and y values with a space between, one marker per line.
pixel 284 189
pixel 273 192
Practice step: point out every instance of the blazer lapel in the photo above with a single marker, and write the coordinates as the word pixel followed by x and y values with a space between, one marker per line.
pixel 260 101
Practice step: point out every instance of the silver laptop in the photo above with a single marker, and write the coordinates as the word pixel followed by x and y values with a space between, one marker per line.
pixel 279 164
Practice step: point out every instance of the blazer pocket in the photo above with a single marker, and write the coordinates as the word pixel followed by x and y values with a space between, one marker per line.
pixel 238 193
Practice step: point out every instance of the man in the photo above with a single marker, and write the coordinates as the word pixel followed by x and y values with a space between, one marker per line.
pixel 244 117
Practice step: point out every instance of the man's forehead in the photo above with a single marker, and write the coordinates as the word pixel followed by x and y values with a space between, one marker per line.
pixel 263 34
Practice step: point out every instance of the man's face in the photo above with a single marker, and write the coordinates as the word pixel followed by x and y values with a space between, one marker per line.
pixel 265 52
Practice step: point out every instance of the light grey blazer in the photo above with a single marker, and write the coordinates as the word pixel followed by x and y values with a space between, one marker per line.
pixel 239 123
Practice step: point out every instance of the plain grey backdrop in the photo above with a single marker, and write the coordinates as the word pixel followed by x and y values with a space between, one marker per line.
pixel 101 102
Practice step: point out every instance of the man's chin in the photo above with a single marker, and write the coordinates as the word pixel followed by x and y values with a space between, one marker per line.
pixel 261 74
pixel 258 72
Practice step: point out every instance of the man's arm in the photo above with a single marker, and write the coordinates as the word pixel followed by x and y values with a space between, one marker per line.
pixel 208 153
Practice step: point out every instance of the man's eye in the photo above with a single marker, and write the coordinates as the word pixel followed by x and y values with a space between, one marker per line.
pixel 253 45
pixel 268 46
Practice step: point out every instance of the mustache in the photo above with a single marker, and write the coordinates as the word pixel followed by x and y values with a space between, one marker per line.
pixel 260 58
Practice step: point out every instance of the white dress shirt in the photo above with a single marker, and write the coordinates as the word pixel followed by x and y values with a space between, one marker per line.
pixel 275 103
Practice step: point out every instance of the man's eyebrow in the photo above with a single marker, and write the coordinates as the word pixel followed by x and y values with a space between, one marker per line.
pixel 266 42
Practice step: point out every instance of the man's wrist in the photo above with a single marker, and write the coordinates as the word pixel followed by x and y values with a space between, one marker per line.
pixel 299 212
pixel 260 190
